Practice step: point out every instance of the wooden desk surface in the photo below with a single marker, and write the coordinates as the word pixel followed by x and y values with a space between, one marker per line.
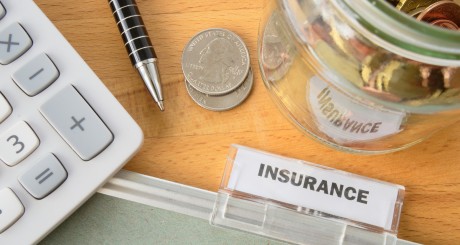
pixel 188 144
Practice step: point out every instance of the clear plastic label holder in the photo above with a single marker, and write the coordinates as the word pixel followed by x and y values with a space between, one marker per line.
pixel 298 202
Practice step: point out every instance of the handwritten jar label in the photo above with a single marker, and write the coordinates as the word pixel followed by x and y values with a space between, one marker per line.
pixel 346 120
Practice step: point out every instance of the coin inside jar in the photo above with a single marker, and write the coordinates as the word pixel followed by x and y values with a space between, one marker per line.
pixel 444 14
pixel 276 50
pixel 215 61
pixel 411 6
pixel 272 47
pixel 222 102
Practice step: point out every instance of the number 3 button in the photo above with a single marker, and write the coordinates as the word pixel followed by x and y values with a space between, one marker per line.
pixel 17 143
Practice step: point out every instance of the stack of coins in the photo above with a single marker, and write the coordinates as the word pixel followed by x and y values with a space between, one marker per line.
pixel 217 71
pixel 442 13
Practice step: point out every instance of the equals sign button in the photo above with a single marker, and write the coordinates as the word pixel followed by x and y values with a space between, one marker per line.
pixel 43 176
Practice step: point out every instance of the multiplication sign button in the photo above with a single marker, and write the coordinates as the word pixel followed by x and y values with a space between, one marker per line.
pixel 77 123
pixel 14 41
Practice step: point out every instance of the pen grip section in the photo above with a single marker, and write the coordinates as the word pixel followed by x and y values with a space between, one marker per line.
pixel 132 29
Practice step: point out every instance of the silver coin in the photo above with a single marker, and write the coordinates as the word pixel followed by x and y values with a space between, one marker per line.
pixel 272 45
pixel 222 102
pixel 215 61
pixel 277 50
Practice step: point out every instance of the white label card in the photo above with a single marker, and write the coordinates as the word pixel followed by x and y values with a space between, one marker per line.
pixel 346 120
pixel 303 184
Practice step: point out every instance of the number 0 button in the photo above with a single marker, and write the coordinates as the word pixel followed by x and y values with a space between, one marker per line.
pixel 11 209
pixel 17 143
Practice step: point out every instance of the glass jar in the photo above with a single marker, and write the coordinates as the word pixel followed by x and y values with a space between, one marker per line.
pixel 359 75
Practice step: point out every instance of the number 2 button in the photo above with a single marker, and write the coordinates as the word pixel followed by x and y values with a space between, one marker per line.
pixel 17 143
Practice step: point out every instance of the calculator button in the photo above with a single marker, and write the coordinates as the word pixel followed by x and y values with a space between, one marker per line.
pixel 5 108
pixel 11 209
pixel 14 41
pixel 2 11
pixel 77 123
pixel 36 75
pixel 44 177
pixel 17 143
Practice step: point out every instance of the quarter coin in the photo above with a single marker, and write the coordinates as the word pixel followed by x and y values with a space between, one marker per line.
pixel 215 61
pixel 222 102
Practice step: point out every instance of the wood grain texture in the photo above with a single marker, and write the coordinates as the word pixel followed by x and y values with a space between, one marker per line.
pixel 188 144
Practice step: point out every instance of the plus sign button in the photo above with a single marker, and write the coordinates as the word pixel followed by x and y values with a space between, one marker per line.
pixel 14 41
pixel 77 123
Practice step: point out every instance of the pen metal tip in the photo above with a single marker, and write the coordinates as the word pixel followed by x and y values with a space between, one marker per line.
pixel 160 105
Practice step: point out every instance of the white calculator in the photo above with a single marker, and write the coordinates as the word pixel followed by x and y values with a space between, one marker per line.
pixel 62 133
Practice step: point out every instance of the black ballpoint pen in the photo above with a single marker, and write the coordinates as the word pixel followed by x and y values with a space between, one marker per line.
pixel 138 45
